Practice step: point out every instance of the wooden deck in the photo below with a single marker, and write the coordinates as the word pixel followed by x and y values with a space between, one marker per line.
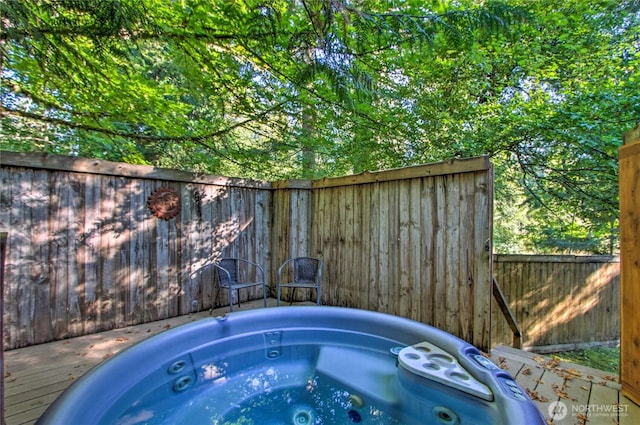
pixel 36 375
pixel 588 396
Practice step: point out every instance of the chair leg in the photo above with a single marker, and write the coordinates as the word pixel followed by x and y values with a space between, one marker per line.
pixel 264 295
pixel 230 301
pixel 293 296
pixel 278 296
pixel 213 303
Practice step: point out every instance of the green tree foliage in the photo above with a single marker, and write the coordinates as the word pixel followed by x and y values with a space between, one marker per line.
pixel 284 88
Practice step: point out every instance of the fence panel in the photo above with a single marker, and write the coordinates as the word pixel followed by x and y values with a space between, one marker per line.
pixel 560 302
pixel 86 254
pixel 412 242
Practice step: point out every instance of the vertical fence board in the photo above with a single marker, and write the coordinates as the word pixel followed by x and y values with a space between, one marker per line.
pixel 439 277
pixel 429 253
pixel 467 256
pixel 75 303
pixel 384 238
pixel 319 240
pixel 62 281
pixel 559 301
pixel 20 260
pixel 392 293
pixel 450 249
pixel 403 249
pixel 416 251
pixel 373 247
pixel 40 260
pixel 87 246
pixel 189 229
pixel 350 271
pixel 263 226
pixel 483 243
pixel 3 249
pixel 340 230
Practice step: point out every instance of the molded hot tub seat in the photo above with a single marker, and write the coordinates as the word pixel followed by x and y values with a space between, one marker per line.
pixel 297 365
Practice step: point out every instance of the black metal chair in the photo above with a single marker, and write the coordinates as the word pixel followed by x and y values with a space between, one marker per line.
pixel 229 277
pixel 300 272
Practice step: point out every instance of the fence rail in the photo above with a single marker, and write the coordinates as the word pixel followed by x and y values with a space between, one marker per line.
pixel 559 301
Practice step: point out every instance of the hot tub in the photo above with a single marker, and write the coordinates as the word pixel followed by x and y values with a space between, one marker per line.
pixel 297 365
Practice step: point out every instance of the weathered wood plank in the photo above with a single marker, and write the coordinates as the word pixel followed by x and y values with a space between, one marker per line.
pixel 467 258
pixel 451 252
pixel 320 238
pixel 119 169
pixel 263 225
pixel 392 274
pixel 361 236
pixel 349 272
pixel 3 249
pixel 86 255
pixel 16 301
pixel 439 271
pixel 385 234
pixel 429 252
pixel 402 255
pixel 630 265
pixel 373 247
pixel 416 254
pixel 341 251
pixel 482 255
pixel 450 167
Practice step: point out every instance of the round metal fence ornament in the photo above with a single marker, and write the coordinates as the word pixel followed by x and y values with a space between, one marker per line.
pixel 164 203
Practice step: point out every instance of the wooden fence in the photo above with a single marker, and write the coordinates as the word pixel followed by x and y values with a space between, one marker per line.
pixel 413 242
pixel 86 255
pixel 560 302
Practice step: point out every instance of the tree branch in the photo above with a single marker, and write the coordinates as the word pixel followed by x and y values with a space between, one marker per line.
pixel 137 136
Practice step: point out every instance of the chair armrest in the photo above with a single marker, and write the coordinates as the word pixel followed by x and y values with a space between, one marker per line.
pixel 256 265
pixel 282 268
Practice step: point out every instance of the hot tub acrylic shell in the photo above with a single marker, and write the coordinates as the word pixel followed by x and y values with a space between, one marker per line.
pixel 350 346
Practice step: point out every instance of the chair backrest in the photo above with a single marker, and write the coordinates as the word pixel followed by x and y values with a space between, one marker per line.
pixel 305 269
pixel 231 266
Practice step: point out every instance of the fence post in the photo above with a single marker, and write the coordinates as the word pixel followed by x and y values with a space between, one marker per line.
pixel 629 156
pixel 3 247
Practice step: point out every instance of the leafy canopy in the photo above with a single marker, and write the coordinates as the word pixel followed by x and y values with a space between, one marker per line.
pixel 310 88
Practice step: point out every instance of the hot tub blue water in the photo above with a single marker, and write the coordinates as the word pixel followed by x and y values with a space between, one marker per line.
pixel 297 366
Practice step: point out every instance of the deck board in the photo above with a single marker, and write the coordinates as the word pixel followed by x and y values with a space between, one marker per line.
pixel 37 375
pixel 590 396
